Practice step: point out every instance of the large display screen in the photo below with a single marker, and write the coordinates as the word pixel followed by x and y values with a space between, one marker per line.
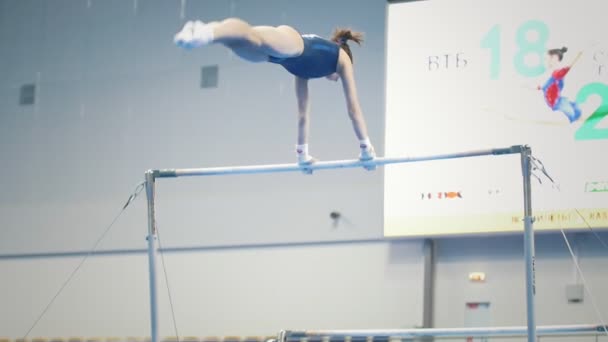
pixel 473 74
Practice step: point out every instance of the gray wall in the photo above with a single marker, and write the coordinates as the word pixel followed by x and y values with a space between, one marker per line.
pixel 256 291
pixel 501 258
pixel 251 255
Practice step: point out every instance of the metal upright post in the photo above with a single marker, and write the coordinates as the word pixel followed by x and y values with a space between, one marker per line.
pixel 526 154
pixel 152 251
pixel 428 290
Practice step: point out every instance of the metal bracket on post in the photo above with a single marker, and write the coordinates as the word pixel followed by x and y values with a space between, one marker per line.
pixel 529 254
pixel 152 251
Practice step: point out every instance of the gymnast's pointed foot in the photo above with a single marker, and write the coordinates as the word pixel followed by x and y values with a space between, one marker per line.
pixel 576 113
pixel 367 155
pixel 184 36
pixel 304 159
pixel 194 34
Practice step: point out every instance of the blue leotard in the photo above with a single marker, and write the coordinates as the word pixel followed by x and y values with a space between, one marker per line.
pixel 318 59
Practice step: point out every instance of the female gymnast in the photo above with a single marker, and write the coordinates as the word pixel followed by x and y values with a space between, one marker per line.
pixel 305 56
pixel 552 89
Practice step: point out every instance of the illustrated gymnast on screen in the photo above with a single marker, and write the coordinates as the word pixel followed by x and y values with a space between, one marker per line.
pixel 305 56
pixel 552 89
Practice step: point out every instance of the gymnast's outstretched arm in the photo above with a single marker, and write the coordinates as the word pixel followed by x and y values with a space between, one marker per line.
pixel 578 56
pixel 347 75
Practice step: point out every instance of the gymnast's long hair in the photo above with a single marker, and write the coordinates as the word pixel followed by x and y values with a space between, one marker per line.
pixel 341 36
pixel 558 52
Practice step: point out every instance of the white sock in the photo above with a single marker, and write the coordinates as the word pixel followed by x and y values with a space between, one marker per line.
pixel 202 34
pixel 302 149
pixel 184 35
pixel 364 144
pixel 302 152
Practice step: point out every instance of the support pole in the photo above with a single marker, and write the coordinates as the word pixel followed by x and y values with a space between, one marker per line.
pixel 428 290
pixel 152 251
pixel 529 254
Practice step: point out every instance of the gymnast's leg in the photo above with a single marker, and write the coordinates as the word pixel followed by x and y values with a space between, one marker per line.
pixel 254 43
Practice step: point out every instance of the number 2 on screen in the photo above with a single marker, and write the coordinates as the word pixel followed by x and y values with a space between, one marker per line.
pixel 589 131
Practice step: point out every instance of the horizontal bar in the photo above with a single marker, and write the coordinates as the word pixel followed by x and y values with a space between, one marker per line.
pixel 338 164
pixel 290 336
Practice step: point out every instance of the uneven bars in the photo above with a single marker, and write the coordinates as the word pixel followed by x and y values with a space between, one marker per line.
pixel 292 335
pixel 337 164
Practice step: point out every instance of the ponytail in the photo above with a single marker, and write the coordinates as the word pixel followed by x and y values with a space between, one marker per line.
pixel 558 52
pixel 341 37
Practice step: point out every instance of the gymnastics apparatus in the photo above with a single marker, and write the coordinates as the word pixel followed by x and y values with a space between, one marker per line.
pixel 531 331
